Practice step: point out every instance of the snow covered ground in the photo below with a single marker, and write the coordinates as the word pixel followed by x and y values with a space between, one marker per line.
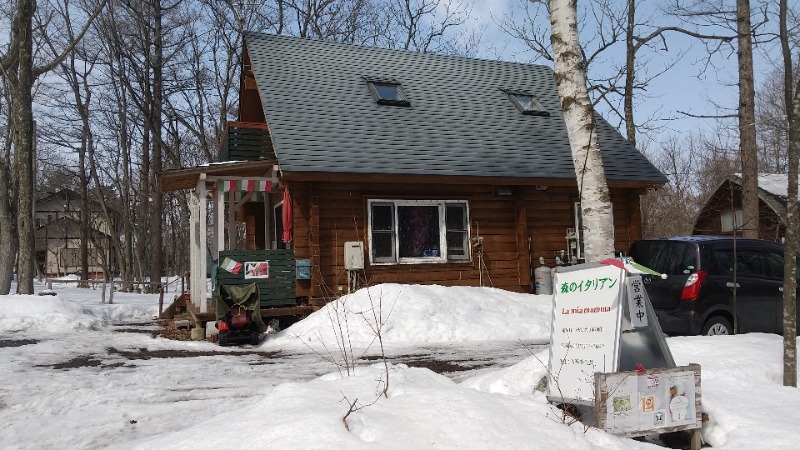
pixel 76 375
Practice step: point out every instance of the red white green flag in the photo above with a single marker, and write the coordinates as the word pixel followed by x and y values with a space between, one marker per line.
pixel 231 266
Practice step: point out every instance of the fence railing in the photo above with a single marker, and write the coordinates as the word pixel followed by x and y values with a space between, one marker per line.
pixel 110 285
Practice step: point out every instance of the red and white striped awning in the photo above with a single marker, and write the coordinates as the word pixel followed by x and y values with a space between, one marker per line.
pixel 245 185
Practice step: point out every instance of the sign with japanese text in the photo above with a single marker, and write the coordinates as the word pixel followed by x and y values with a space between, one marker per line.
pixel 585 329
pixel 636 301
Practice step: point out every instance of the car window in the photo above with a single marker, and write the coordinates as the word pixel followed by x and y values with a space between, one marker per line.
pixel 748 262
pixel 668 257
pixel 773 263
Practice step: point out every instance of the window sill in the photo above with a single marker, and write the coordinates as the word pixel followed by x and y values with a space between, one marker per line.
pixel 420 262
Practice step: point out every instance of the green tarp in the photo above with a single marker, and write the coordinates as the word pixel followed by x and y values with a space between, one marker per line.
pixel 245 295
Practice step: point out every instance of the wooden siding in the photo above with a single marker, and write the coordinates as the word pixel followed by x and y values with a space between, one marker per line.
pixel 729 197
pixel 326 215
pixel 277 289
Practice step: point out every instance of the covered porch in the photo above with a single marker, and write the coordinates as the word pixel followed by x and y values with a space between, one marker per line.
pixel 240 232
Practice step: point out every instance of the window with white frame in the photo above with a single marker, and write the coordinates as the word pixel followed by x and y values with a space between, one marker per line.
pixel 731 220
pixel 580 252
pixel 418 231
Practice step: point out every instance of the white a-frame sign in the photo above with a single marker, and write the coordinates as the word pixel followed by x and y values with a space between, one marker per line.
pixel 602 322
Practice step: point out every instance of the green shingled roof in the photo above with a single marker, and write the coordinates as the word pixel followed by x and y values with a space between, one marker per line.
pixel 323 117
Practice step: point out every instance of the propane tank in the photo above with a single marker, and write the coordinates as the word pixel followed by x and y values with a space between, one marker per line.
pixel 543 278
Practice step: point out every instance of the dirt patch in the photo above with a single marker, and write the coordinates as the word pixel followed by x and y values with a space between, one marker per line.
pixel 17 342
pixel 152 333
pixel 77 362
pixel 438 366
pixel 171 332
pixel 167 330
pixel 144 353
pixel 434 365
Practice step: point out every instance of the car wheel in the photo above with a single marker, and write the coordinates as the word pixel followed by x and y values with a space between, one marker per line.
pixel 717 325
pixel 223 338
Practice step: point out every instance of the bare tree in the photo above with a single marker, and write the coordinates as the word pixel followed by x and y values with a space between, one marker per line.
pixel 570 75
pixel 18 67
pixel 792 102
pixel 747 121
pixel 736 19
pixel 422 25
pixel 670 210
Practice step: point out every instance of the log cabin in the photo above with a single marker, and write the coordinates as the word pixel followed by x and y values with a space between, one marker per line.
pixel 401 167
pixel 721 213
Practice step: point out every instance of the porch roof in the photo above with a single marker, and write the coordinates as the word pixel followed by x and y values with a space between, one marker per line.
pixel 177 179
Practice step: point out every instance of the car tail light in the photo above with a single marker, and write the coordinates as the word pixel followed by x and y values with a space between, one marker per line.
pixel 691 290
pixel 222 326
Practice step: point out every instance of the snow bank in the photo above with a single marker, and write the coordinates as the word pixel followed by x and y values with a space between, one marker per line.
pixel 45 313
pixel 519 379
pixel 418 315
pixel 423 410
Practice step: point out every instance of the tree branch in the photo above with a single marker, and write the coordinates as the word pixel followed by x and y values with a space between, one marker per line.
pixel 37 71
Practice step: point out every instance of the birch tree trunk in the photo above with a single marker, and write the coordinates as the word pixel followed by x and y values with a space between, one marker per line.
pixel 570 75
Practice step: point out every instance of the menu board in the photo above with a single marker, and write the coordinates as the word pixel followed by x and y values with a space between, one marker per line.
pixel 585 330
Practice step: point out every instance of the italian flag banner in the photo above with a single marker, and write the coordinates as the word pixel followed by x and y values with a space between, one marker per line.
pixel 244 185
pixel 231 266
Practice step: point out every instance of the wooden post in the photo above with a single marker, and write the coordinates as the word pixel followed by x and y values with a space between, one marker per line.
pixel 203 239
pixel 696 441
pixel 219 222
pixel 161 300
pixel 231 222
pixel 521 212
pixel 313 242
pixel 193 246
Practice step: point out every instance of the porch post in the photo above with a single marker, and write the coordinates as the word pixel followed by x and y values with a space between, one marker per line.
pixel 232 222
pixel 219 220
pixel 194 251
pixel 203 241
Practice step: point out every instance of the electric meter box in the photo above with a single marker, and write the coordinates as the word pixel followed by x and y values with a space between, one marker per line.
pixel 354 255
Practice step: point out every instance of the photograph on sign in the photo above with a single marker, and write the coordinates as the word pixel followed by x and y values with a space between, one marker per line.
pixel 681 397
pixel 661 400
pixel 585 329
pixel 256 269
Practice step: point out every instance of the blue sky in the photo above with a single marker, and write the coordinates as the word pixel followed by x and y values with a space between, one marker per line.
pixel 685 87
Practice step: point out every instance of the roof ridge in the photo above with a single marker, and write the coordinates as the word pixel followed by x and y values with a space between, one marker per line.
pixel 314 40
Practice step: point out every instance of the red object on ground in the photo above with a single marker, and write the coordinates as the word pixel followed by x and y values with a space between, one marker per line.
pixel 640 368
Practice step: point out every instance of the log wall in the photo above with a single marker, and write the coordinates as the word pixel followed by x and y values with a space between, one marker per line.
pixel 329 214
pixel 727 197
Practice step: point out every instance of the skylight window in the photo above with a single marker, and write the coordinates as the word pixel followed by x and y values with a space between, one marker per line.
pixel 526 103
pixel 387 92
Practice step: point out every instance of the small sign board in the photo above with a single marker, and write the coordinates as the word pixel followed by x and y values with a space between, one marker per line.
pixel 639 403
pixel 585 331
pixel 256 269
pixel 636 302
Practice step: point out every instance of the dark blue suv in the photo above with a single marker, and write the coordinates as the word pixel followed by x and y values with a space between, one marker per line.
pixel 714 282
